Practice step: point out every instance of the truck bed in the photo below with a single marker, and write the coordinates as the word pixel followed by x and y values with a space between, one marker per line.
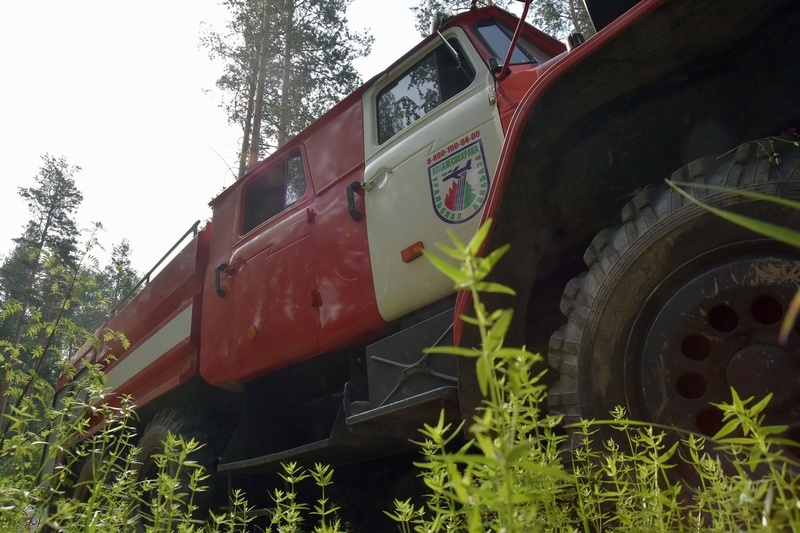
pixel 161 323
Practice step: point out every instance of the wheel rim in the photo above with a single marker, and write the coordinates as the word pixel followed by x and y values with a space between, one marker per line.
pixel 720 330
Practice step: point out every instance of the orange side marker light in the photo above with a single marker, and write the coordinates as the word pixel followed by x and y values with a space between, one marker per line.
pixel 412 252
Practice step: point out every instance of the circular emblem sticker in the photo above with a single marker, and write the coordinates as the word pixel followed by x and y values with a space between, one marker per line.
pixel 459 182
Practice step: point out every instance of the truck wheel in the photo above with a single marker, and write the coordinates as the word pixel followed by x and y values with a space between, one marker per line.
pixel 86 477
pixel 679 305
pixel 203 426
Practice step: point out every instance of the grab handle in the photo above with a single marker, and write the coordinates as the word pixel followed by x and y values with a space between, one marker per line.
pixel 351 200
pixel 217 286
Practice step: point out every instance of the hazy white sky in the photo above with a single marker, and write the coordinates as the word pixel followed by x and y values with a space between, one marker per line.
pixel 117 88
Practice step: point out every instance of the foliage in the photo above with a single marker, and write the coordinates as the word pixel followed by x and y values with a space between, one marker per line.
pixel 101 288
pixel 555 17
pixel 559 18
pixel 301 50
pixel 97 486
pixel 31 362
pixel 426 9
pixel 289 514
pixel 28 490
pixel 51 287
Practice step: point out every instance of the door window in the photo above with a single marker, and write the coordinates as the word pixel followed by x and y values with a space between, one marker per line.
pixel 273 191
pixel 422 88
pixel 498 38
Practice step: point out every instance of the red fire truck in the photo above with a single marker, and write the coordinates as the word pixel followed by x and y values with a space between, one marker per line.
pixel 292 325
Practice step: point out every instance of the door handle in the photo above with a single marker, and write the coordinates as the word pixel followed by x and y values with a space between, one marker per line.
pixel 379 179
pixel 217 273
pixel 229 270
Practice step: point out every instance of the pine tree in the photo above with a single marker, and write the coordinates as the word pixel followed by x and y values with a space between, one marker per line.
pixel 119 276
pixel 101 290
pixel 32 278
pixel 286 63
pixel 559 18
pixel 51 232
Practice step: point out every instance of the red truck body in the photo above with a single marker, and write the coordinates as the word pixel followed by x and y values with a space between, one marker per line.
pixel 308 273
pixel 163 329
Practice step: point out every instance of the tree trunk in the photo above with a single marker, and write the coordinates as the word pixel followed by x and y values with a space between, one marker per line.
pixel 24 306
pixel 244 157
pixel 573 15
pixel 283 119
pixel 255 145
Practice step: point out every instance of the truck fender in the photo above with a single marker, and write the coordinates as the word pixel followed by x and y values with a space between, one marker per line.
pixel 622 111
pixel 518 130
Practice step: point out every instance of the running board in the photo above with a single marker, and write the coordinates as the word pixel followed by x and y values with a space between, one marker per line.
pixel 406 417
pixel 334 451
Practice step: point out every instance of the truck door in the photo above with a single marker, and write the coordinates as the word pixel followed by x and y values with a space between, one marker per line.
pixel 270 310
pixel 433 139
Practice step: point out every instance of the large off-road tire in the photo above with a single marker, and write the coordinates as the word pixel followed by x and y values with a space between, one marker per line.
pixel 97 470
pixel 679 305
pixel 205 427
pixel 86 476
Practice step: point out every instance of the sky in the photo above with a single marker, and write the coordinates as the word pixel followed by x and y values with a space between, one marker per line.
pixel 118 89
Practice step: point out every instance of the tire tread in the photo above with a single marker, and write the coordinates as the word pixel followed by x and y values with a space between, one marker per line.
pixel 747 166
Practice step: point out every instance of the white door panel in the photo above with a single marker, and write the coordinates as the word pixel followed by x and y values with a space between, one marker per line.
pixel 432 176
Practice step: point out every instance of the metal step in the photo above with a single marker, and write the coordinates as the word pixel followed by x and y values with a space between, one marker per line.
pixel 407 414
pixel 333 451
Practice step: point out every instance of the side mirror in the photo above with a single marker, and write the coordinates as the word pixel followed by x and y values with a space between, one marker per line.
pixel 574 40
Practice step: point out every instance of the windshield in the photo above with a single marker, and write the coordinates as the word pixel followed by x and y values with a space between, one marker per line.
pixel 498 38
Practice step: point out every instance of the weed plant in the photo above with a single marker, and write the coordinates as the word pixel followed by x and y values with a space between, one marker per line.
pixel 515 474
pixel 95 488
pixel 57 476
